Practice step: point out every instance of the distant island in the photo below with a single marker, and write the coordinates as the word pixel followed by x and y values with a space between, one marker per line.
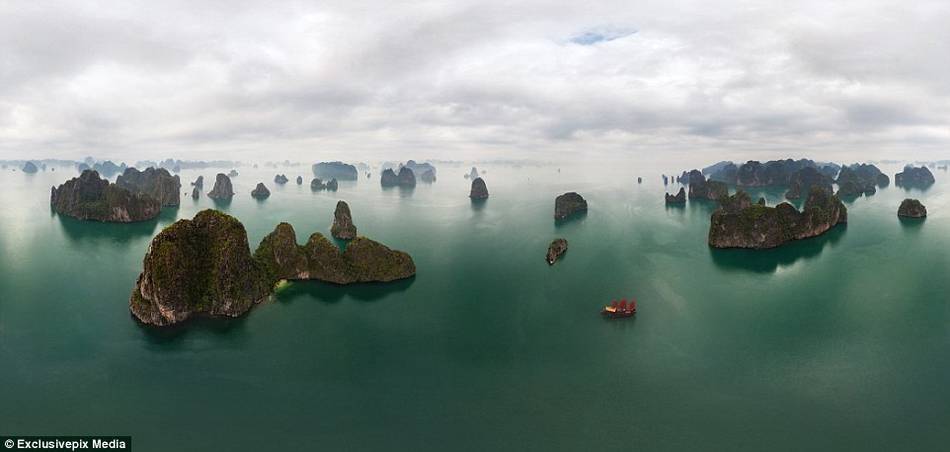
pixel 89 197
pixel 335 170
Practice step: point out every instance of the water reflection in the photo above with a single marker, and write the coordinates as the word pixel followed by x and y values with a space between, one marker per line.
pixel 479 204
pixel 79 230
pixel 331 293
pixel 576 218
pixel 221 203
pixel 768 261
pixel 233 329
pixel 912 225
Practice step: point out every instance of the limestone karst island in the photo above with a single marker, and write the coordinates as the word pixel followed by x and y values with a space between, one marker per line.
pixel 475 226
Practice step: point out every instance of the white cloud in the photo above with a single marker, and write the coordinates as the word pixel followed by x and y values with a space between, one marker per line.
pixel 471 78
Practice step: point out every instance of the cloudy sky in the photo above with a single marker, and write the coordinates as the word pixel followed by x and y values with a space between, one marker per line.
pixel 472 78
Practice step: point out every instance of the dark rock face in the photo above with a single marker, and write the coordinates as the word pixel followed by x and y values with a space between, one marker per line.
pixel 639 180
pixel 88 197
pixel 427 177
pixel 911 177
pixel 233 173
pixel 157 183
pixel 860 179
pixel 199 183
pixel 700 188
pixel 343 227
pixel 29 168
pixel 299 180
pixel 666 180
pixel 316 184
pixel 222 188
pixel 405 178
pixel 108 169
pixel 911 208
pixel 199 266
pixel 771 173
pixel 280 179
pixel 260 192
pixel 569 204
pixel 738 223
pixel 335 170
pixel 421 169
pixel 555 250
pixel 332 185
pixel 679 198
pixel 803 180
pixel 479 189
pixel 195 193
pixel 363 261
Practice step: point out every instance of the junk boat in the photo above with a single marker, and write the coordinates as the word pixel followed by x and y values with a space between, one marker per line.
pixel 618 310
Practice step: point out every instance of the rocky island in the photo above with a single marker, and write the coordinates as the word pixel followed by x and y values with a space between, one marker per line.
pixel 911 177
pixel 803 180
pixel 233 173
pixel 678 198
pixel 260 192
pixel 199 266
pixel 335 170
pixel 700 188
pixel 332 185
pixel 29 168
pixel 222 188
pixel 343 227
pixel 157 183
pixel 911 208
pixel 738 223
pixel 555 250
pixel 569 204
pixel 204 266
pixel 316 184
pixel 281 179
pixel 405 178
pixel 479 189
pixel 199 183
pixel 89 197
pixel 860 179
pixel 299 180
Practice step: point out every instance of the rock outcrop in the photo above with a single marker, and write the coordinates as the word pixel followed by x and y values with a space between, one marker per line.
pixel 555 250
pixel 233 173
pixel 802 181
pixel 421 170
pixel 569 204
pixel 157 183
pixel 88 197
pixel 678 198
pixel 199 183
pixel 911 177
pixel 363 261
pixel 860 179
pixel 316 184
pixel 405 178
pixel 260 192
pixel 332 185
pixel 427 176
pixel 911 208
pixel 195 193
pixel 29 168
pixel 198 266
pixel 280 179
pixel 299 180
pixel 479 189
pixel 335 170
pixel 222 188
pixel 738 223
pixel 343 227
pixel 700 188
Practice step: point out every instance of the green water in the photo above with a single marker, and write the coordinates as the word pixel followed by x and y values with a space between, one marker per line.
pixel 835 343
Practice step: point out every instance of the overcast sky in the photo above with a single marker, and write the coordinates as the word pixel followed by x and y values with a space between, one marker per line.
pixel 472 78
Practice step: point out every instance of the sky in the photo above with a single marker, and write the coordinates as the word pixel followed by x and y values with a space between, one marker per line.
pixel 470 79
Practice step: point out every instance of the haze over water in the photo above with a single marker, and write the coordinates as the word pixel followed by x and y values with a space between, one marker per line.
pixel 833 343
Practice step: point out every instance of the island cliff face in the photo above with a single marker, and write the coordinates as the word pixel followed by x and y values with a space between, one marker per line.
pixel 332 185
pixel 343 227
pixel 738 223
pixel 157 183
pixel 316 184
pixel 363 261
pixel 555 250
pixel 405 178
pixel 857 179
pixel 803 180
pixel 280 179
pixel 479 189
pixel 700 188
pixel 88 197
pixel 569 204
pixel 29 168
pixel 198 266
pixel 679 198
pixel 222 188
pixel 299 180
pixel 911 208
pixel 911 177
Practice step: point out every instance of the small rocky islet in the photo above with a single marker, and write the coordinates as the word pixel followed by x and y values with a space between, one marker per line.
pixel 343 227
pixel 568 205
pixel 260 192
pixel 479 189
pixel 911 208
pixel 89 197
pixel 222 190
pixel 678 198
pixel 335 170
pixel 204 266
pixel 911 177
pixel 557 248
pixel 405 178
